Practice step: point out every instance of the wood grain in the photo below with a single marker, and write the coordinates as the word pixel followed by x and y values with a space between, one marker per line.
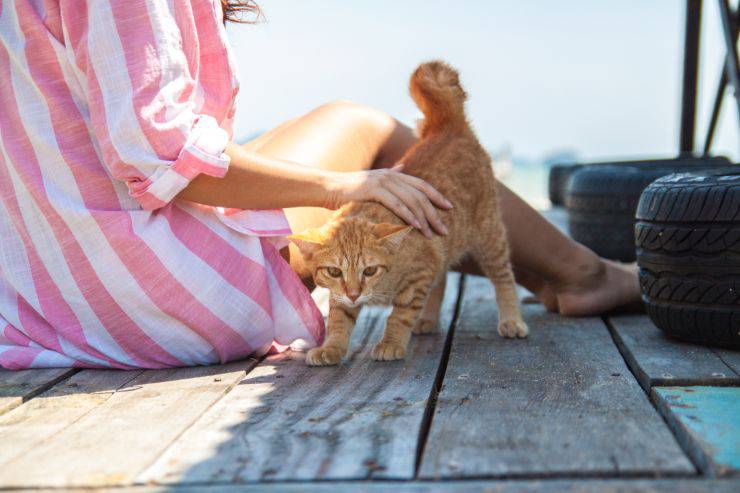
pixel 730 356
pixel 561 402
pixel 287 421
pixel 30 424
pixel 707 422
pixel 657 359
pixel 18 386
pixel 118 438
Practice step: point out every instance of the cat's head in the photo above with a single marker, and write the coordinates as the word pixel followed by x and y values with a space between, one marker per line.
pixel 351 256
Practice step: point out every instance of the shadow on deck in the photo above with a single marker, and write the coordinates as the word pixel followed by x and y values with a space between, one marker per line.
pixel 586 404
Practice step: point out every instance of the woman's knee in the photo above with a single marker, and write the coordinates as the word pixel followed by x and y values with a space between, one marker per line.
pixel 358 116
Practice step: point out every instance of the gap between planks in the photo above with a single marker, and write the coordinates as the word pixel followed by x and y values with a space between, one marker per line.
pixel 426 423
pixel 645 382
pixel 657 360
pixel 643 373
pixel 706 423
pixel 107 436
pixel 104 426
pixel 288 422
pixel 20 386
pixel 559 404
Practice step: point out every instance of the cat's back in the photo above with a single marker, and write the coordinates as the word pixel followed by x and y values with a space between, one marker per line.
pixel 371 211
pixel 455 164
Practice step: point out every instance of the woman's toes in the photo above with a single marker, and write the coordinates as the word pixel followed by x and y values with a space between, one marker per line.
pixel 513 328
pixel 388 351
pixel 324 356
pixel 614 287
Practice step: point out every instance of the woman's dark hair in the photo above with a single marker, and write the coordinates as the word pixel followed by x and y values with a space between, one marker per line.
pixel 235 11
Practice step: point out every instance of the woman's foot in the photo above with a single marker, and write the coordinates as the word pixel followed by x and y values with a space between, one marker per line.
pixel 546 295
pixel 603 286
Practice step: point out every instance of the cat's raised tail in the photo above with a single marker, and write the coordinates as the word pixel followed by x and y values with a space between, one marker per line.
pixel 436 90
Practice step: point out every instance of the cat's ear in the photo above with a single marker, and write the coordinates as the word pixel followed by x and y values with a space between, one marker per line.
pixel 309 240
pixel 391 234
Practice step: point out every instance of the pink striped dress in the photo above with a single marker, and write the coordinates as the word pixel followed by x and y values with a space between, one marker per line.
pixel 108 108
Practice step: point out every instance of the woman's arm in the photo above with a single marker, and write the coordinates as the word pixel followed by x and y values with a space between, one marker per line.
pixel 254 181
pixel 161 147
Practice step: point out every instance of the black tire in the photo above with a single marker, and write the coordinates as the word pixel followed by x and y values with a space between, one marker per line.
pixel 602 199
pixel 601 205
pixel 557 181
pixel 688 251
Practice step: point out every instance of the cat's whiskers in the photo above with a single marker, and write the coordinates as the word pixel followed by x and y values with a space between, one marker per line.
pixel 383 298
pixel 344 300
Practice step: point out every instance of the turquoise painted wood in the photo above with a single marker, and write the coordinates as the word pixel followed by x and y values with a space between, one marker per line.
pixel 709 420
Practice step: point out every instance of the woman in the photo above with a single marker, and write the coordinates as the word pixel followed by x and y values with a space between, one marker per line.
pixel 115 146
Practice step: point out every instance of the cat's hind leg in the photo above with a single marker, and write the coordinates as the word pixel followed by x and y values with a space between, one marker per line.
pixel 339 328
pixel 407 306
pixel 492 254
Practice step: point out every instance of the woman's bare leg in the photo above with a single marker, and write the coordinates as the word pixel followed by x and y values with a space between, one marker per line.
pixel 578 280
pixel 339 136
pixel 344 136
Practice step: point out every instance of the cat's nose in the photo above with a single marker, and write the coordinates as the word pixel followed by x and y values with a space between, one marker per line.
pixel 353 295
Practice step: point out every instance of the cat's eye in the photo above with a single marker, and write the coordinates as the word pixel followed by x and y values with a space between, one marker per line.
pixel 370 271
pixel 334 272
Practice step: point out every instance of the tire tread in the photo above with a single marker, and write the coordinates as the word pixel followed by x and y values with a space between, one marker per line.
pixel 688 248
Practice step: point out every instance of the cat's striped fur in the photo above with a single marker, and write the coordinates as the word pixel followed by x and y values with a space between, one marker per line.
pixel 367 253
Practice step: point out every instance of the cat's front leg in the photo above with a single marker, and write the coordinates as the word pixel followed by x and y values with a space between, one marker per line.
pixel 407 306
pixel 429 317
pixel 339 328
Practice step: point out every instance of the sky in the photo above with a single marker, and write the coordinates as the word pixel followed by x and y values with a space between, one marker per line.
pixel 601 78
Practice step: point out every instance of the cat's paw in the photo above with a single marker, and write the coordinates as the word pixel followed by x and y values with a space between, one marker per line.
pixel 424 326
pixel 388 351
pixel 324 356
pixel 513 328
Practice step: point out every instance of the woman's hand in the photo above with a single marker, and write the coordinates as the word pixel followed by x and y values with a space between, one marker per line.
pixel 254 181
pixel 410 198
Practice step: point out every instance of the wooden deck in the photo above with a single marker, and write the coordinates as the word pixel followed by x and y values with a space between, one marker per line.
pixel 585 405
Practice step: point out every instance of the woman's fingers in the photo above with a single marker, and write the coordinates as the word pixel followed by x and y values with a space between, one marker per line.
pixel 422 208
pixel 408 195
pixel 432 214
pixel 395 204
pixel 431 192
pixel 411 198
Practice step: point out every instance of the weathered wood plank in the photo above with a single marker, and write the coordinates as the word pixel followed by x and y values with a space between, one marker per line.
pixel 561 402
pixel 657 359
pixel 119 438
pixel 288 421
pixel 683 485
pixel 707 422
pixel 18 386
pixel 731 357
pixel 35 421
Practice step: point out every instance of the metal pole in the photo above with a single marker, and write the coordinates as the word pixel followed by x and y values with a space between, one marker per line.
pixel 732 69
pixel 690 73
pixel 715 111
pixel 719 95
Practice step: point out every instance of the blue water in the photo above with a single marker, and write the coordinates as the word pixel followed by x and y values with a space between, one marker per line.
pixel 530 182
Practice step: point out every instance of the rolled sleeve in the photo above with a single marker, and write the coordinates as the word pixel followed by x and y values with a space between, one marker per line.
pixel 155 125
pixel 203 153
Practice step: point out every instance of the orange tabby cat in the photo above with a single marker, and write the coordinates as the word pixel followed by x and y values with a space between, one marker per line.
pixel 366 254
